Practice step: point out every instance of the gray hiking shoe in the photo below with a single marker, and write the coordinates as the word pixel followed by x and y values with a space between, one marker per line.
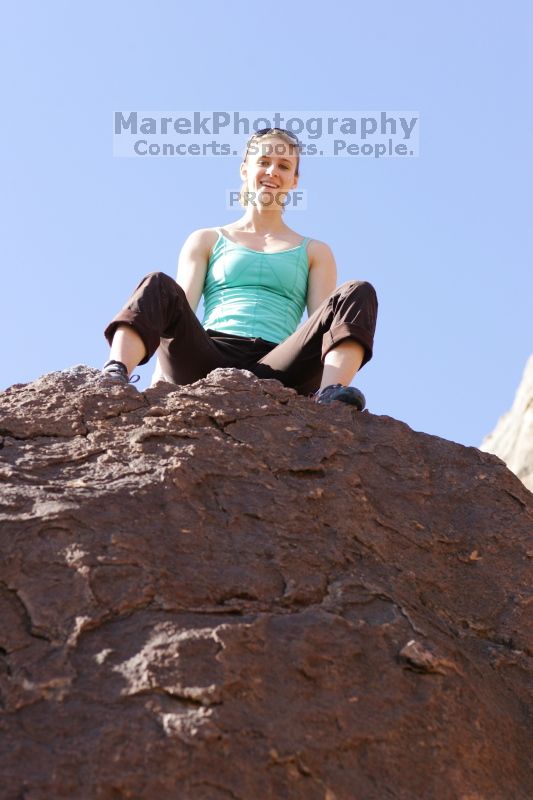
pixel 118 372
pixel 346 394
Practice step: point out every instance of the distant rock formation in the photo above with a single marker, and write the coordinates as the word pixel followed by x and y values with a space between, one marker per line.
pixel 512 438
pixel 224 590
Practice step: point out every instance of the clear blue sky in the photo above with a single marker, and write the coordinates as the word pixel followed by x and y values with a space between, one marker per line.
pixel 445 238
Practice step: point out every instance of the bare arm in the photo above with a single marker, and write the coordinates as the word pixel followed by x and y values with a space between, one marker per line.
pixel 322 274
pixel 192 269
pixel 192 264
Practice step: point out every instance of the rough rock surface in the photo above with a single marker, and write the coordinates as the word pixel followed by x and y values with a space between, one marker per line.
pixel 225 591
pixel 512 438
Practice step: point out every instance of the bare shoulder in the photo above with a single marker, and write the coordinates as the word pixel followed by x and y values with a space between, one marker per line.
pixel 319 253
pixel 202 240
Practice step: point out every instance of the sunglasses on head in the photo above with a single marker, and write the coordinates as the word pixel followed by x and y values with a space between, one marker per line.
pixel 263 131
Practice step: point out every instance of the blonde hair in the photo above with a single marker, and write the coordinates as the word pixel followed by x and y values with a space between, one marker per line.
pixel 281 133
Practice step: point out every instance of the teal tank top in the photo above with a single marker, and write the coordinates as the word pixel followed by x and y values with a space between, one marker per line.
pixel 249 293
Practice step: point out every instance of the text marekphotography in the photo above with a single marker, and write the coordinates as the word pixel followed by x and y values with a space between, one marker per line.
pixel 191 134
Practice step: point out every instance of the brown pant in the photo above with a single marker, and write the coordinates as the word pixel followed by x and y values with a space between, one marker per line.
pixel 159 312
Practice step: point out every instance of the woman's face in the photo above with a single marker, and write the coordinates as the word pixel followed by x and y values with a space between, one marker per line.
pixel 269 171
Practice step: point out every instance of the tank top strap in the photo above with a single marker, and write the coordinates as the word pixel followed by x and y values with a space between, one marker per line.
pixel 305 242
pixel 216 245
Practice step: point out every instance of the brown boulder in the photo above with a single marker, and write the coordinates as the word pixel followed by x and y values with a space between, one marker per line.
pixel 224 590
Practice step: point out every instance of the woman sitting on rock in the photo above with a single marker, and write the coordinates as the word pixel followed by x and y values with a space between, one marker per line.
pixel 256 275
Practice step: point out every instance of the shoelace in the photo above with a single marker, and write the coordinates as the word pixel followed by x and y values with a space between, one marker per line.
pixel 120 369
pixel 329 387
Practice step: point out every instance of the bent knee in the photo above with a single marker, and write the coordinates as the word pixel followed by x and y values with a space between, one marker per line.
pixel 360 286
pixel 163 280
pixel 158 276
